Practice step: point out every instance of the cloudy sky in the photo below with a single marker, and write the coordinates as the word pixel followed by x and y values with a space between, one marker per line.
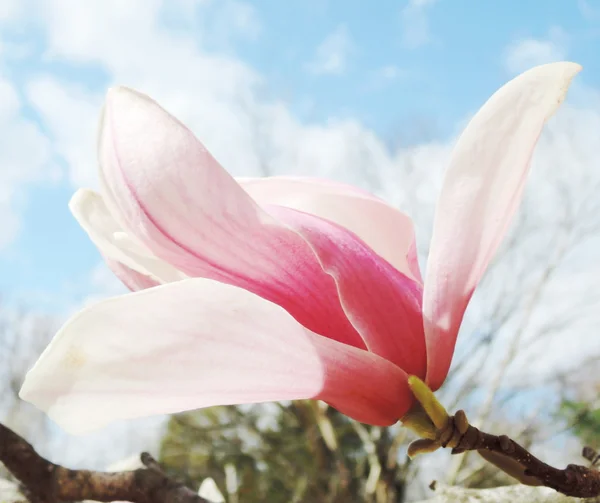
pixel 295 86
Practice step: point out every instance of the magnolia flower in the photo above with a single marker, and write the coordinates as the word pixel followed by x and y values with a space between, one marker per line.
pixel 265 289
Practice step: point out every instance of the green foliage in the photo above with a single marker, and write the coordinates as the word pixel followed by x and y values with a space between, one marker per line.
pixel 585 420
pixel 297 452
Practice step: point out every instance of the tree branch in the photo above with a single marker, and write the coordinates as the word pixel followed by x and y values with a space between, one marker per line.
pixel 46 482
pixel 574 480
pixel 508 494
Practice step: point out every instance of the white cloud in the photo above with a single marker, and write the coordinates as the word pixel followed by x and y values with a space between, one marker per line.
pixel 414 19
pixel 385 76
pixel 331 57
pixel 239 19
pixel 215 95
pixel 9 9
pixel 24 159
pixel 70 113
pixel 529 52
pixel 207 91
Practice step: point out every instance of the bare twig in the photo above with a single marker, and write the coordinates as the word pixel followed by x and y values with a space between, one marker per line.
pixel 46 482
pixel 574 480
pixel 507 494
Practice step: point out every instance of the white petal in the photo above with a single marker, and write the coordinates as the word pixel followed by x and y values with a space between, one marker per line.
pixel 481 192
pixel 198 343
pixel 91 212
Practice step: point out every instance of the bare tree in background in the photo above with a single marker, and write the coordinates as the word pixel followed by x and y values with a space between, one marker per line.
pixel 580 402
pixel 23 336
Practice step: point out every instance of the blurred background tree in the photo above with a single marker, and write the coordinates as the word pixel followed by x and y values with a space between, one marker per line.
pixel 290 452
pixel 22 336
pixel 585 418
pixel 580 405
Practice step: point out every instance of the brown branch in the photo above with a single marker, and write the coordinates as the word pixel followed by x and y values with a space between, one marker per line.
pixel 508 455
pixel 46 482
pixel 516 493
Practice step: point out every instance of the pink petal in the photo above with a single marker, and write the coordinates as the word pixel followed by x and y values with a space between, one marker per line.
pixel 388 231
pixel 133 280
pixel 168 192
pixel 481 192
pixel 132 262
pixel 198 343
pixel 383 304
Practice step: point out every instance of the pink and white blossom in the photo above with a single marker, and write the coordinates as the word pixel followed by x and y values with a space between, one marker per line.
pixel 255 290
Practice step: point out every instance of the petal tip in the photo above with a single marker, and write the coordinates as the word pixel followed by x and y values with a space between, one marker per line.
pixel 558 77
pixel 80 196
pixel 117 90
pixel 24 391
pixel 567 72
pixel 124 93
pixel 71 423
pixel 566 69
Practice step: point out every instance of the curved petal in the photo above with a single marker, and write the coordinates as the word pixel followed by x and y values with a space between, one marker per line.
pixel 383 304
pixel 131 262
pixel 168 192
pixel 198 343
pixel 388 231
pixel 481 192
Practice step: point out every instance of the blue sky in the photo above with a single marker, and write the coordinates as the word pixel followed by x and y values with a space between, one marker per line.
pixel 332 72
